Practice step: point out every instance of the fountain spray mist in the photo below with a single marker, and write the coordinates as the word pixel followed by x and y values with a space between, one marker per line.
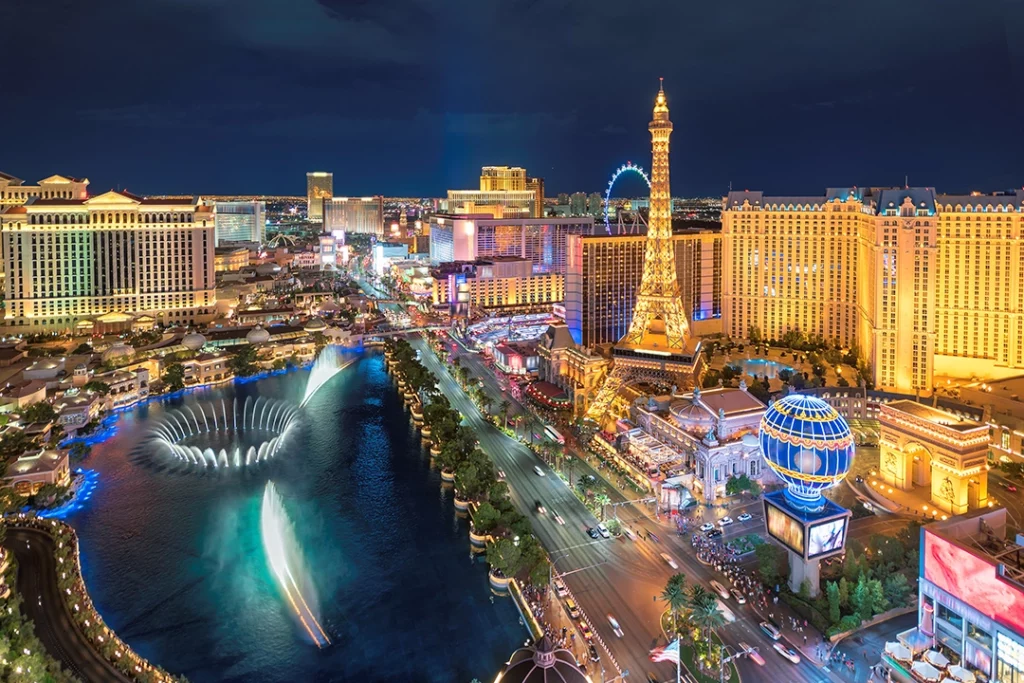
pixel 284 559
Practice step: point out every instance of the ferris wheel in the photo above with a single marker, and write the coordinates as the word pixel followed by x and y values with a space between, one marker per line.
pixel 628 167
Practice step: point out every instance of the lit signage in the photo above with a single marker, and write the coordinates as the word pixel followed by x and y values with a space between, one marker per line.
pixel 785 529
pixel 826 538
pixel 972 580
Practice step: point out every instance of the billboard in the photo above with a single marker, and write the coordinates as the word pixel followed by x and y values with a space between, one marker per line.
pixel 826 538
pixel 785 529
pixel 972 580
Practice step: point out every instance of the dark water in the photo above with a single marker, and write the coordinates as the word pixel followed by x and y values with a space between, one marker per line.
pixel 175 563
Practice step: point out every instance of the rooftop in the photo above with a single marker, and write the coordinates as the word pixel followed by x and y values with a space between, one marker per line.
pixel 936 416
pixel 36 463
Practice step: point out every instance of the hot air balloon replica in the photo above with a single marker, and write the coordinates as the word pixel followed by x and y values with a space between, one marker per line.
pixel 810 447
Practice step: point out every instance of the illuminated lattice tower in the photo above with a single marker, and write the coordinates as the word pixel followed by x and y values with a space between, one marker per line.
pixel 658 348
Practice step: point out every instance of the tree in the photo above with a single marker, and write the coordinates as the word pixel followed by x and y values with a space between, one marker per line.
pixel 319 341
pixel 707 616
pixel 897 589
pixel 862 601
pixel 243 362
pixel 876 594
pixel 832 592
pixel 174 376
pixel 279 364
pixel 81 349
pixel 504 557
pixel 769 562
pixel 38 412
pixel 101 388
pixel 14 442
pixel 754 334
pixel 503 408
pixel 79 451
pixel 675 596
pixel 738 484
pixel 485 518
pixel 805 589
pixel 844 593
pixel 760 391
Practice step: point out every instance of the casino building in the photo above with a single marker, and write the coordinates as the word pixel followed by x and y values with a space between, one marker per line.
pixel 971 598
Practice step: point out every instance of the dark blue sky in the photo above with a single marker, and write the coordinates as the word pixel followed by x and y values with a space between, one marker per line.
pixel 413 96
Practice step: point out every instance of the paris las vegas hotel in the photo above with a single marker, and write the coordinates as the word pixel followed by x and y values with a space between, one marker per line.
pixel 109 262
pixel 928 286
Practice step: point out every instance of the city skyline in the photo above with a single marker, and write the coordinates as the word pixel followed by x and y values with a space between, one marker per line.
pixel 762 100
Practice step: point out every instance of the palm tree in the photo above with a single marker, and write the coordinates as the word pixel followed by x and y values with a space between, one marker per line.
pixel 675 595
pixel 504 407
pixel 707 616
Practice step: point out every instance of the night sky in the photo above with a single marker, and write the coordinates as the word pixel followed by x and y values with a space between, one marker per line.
pixel 410 97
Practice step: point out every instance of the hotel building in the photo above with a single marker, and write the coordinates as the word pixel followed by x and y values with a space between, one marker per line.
pixel 354 215
pixel 319 186
pixel 81 265
pixel 505 192
pixel 971 598
pixel 925 285
pixel 239 222
pixel 498 284
pixel 14 191
pixel 603 274
pixel 468 237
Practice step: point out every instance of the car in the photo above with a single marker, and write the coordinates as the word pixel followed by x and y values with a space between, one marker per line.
pixel 707 526
pixel 720 589
pixel 585 630
pixel 501 474
pixel 538 470
pixel 770 630
pixel 560 588
pixel 725 521
pixel 593 533
pixel 1009 487
pixel 744 517
pixel 669 561
pixel 603 530
pixel 558 518
pixel 714 533
pixel 786 652
pixel 574 610
pixel 616 629
pixel 753 654
pixel 629 533
pixel 740 598
pixel 594 656
pixel 539 507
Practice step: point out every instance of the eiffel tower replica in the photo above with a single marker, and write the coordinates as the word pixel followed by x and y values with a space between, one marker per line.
pixel 658 349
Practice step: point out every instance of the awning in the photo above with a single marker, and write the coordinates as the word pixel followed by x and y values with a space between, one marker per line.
pixel 961 674
pixel 936 658
pixel 898 651
pixel 926 671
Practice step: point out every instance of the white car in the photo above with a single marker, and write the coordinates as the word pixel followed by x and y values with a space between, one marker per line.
pixel 560 588
pixel 707 526
pixel 558 518
pixel 786 652
pixel 720 589
pixel 538 470
pixel 669 561
pixel 501 474
pixel 740 598
pixel 603 530
pixel 616 629
pixel 725 521
pixel 744 517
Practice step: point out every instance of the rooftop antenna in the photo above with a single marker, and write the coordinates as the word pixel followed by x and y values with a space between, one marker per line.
pixel 906 182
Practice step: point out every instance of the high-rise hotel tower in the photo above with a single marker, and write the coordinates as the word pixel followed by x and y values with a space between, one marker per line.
pixel 925 285
pixel 99 264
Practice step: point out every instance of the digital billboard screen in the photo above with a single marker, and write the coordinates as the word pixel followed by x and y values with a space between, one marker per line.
pixel 973 581
pixel 826 538
pixel 785 529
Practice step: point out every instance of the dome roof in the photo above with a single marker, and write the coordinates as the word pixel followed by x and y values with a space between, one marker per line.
pixel 193 341
pixel 257 335
pixel 315 325
pixel 689 414
pixel 808 444
pixel 118 350
pixel 542 664
pixel 268 269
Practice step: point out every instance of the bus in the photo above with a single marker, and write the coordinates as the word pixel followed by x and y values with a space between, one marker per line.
pixel 553 434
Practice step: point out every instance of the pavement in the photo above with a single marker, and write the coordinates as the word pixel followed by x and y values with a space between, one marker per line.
pixel 43 604
pixel 619 577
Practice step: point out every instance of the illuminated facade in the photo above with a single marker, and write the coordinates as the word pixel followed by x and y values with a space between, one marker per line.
pixel 924 284
pixel 971 596
pixel 493 203
pixel 501 285
pixel 14 191
pixel 541 241
pixel 502 179
pixel 354 215
pixel 72 264
pixel 925 446
pixel 319 186
pixel 658 347
pixel 603 274
pixel 536 185
pixel 239 222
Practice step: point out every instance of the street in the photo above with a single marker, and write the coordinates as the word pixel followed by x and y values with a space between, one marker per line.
pixel 618 577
